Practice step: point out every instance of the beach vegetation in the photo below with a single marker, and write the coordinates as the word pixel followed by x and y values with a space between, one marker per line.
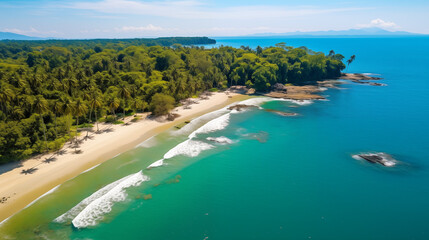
pixel 48 89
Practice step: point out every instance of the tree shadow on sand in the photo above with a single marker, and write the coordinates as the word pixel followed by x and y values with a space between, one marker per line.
pixel 50 159
pixel 62 152
pixel 29 171
pixel 108 130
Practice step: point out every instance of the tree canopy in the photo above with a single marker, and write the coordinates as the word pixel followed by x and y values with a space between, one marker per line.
pixel 47 86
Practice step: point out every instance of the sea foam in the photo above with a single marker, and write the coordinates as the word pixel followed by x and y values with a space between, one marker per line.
pixel 195 123
pixel 46 193
pixel 300 102
pixel 190 148
pixel 257 101
pixel 158 163
pixel 150 142
pixel 222 140
pixel 89 169
pixel 95 210
pixel 213 125
pixel 91 209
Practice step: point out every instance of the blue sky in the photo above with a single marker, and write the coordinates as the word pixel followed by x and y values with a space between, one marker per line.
pixel 153 18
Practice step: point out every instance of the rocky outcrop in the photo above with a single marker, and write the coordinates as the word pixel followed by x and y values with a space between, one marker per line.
pixel 278 87
pixel 240 107
pixel 284 114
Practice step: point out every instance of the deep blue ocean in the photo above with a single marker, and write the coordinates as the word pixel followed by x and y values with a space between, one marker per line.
pixel 278 177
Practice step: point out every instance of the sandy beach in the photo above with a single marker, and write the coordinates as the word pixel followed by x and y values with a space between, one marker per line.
pixel 20 189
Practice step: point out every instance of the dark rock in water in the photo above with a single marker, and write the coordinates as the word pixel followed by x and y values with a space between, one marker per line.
pixel 377 84
pixel 285 114
pixel 357 76
pixel 239 107
pixel 379 158
pixel 371 158
pixel 369 83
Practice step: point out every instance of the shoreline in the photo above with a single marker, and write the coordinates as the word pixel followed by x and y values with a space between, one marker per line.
pixel 21 190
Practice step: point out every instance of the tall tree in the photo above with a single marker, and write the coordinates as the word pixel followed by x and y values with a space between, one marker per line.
pixel 6 97
pixel 124 94
pixel 57 108
pixel 67 106
pixel 95 101
pixel 351 59
pixel 41 107
pixel 79 109
pixel 113 104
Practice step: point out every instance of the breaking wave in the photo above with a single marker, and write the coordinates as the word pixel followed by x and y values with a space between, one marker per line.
pixel 158 163
pixel 90 210
pixel 188 148
pixel 300 102
pixel 190 127
pixel 258 101
pixel 214 125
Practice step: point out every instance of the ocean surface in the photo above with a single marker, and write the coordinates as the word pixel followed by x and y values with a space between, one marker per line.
pixel 268 176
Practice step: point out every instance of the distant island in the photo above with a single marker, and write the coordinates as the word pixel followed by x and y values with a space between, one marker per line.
pixel 162 41
pixel 15 36
pixel 373 31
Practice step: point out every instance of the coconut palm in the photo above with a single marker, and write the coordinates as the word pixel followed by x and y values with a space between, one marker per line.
pixel 124 94
pixel 57 108
pixel 79 109
pixel 66 108
pixel 40 106
pixel 6 97
pixel 95 102
pixel 113 104
pixel 138 104
pixel 17 113
pixel 352 58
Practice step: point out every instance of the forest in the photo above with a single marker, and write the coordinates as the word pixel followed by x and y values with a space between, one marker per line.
pixel 49 89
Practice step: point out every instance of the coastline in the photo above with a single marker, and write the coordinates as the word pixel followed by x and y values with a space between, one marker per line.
pixel 24 189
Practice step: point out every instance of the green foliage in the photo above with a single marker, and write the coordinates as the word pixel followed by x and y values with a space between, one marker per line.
pixel 48 86
pixel 161 104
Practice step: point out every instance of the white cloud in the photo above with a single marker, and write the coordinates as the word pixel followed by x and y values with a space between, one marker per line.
pixel 379 23
pixel 198 10
pixel 31 32
pixel 21 31
pixel 149 27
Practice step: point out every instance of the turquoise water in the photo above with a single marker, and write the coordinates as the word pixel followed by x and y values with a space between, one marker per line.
pixel 281 177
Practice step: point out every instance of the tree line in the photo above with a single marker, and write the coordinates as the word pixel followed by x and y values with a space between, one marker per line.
pixel 48 89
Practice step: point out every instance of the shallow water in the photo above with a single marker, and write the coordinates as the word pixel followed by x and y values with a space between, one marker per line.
pixel 279 177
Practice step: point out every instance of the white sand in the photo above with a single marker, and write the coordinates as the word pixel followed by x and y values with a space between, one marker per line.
pixel 23 189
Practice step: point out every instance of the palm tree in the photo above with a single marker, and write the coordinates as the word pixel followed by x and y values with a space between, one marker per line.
pixel 79 109
pixel 67 107
pixel 57 108
pixel 17 113
pixel 113 104
pixel 138 104
pixel 352 58
pixel 40 107
pixel 94 101
pixel 6 96
pixel 124 94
